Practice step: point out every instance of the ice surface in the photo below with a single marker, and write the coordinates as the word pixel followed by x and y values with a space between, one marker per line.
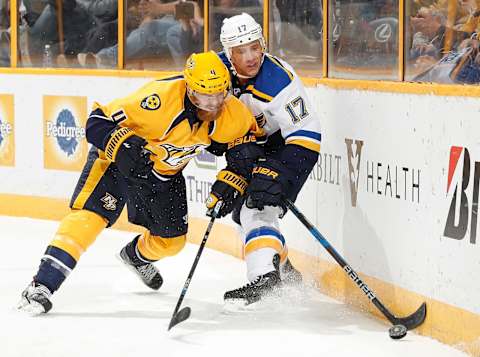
pixel 104 310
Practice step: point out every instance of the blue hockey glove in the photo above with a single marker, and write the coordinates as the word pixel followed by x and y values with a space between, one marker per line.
pixel 268 186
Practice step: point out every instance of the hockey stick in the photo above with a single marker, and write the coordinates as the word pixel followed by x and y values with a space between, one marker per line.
pixel 410 322
pixel 183 314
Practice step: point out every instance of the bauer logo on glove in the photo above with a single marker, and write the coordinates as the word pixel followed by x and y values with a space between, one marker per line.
pixel 269 185
pixel 265 171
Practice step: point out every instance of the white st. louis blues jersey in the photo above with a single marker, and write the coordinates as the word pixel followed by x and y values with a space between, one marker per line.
pixel 278 100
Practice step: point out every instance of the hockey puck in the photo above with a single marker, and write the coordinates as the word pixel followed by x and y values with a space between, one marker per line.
pixel 397 332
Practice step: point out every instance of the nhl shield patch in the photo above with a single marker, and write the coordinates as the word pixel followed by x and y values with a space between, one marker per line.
pixel 152 102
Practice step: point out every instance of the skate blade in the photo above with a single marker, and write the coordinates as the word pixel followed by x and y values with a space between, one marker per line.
pixel 31 308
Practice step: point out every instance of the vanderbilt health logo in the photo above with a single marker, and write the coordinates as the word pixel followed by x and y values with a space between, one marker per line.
pixel 387 180
pixel 64 121
pixel 7 145
pixel 462 190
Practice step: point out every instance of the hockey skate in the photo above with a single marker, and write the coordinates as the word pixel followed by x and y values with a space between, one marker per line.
pixel 290 275
pixel 254 291
pixel 35 299
pixel 147 272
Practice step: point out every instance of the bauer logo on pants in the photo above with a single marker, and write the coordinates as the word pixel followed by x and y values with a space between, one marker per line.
pixel 64 120
pixel 7 137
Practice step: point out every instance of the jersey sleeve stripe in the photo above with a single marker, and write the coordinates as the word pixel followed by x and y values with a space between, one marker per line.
pixel 311 145
pixel 305 133
pixel 259 95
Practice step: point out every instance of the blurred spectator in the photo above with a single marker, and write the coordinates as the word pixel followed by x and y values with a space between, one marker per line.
pixel 149 21
pixel 444 44
pixel 43 18
pixel 298 33
pixel 4 33
pixel 105 32
pixel 227 8
pixel 187 36
pixel 364 39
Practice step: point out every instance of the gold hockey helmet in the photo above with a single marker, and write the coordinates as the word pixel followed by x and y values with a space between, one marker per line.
pixel 205 73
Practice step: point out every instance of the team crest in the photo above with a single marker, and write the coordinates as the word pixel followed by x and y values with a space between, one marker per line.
pixel 179 156
pixel 152 102
pixel 110 202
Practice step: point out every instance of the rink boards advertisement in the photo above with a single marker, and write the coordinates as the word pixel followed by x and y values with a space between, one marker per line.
pixel 395 189
pixel 64 119
pixel 7 133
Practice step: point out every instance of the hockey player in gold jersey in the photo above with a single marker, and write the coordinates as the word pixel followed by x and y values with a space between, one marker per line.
pixel 141 143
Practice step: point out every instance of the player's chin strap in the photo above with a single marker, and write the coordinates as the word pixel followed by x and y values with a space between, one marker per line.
pixel 410 322
pixel 183 314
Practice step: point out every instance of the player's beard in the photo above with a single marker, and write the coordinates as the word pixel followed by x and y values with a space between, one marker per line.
pixel 208 116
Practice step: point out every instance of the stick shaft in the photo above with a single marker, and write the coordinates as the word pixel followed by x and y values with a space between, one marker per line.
pixel 339 259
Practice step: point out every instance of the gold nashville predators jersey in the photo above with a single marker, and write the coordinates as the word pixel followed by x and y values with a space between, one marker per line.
pixel 162 114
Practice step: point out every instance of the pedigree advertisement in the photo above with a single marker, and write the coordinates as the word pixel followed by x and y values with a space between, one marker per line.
pixel 64 118
pixel 7 137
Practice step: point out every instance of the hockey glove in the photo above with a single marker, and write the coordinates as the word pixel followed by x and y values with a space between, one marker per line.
pixel 242 158
pixel 269 185
pixel 228 188
pixel 128 152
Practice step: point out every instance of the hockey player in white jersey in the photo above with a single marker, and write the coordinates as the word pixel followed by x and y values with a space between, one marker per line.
pixel 277 98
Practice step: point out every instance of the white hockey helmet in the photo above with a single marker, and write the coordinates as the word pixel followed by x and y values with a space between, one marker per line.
pixel 240 30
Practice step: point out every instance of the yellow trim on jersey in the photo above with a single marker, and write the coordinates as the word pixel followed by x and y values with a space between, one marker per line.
pixel 77 231
pixel 256 92
pixel 116 139
pixel 274 60
pixel 97 171
pixel 305 143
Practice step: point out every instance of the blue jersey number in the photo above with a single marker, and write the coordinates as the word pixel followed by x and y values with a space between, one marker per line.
pixel 296 109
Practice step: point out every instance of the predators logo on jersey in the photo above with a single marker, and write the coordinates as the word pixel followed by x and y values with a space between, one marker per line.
pixel 179 156
pixel 152 102
pixel 110 202
pixel 174 133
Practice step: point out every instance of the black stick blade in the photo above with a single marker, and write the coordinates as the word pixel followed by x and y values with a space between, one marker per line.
pixel 180 316
pixel 414 320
